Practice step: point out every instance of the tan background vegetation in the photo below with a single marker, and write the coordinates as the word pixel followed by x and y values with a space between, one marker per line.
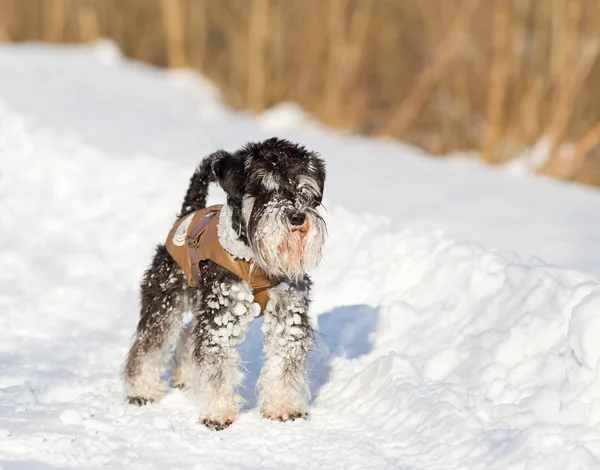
pixel 493 76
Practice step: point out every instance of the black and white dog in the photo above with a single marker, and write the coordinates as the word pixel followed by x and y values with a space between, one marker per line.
pixel 273 188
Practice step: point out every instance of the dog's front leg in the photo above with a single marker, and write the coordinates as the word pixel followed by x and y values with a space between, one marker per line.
pixel 288 338
pixel 221 324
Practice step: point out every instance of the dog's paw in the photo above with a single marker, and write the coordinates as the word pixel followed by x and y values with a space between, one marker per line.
pixel 181 377
pixel 218 423
pixel 139 401
pixel 179 383
pixel 284 414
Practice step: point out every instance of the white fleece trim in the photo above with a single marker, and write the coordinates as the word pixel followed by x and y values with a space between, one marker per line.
pixel 229 239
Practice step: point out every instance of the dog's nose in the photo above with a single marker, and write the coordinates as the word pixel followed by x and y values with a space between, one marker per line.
pixel 297 218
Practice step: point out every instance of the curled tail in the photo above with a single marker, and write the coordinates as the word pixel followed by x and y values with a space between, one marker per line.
pixel 196 195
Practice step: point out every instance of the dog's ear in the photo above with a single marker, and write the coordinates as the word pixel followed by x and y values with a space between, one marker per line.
pixel 315 177
pixel 229 172
pixel 320 172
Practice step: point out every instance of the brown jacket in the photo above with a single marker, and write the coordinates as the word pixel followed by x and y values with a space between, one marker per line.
pixel 194 238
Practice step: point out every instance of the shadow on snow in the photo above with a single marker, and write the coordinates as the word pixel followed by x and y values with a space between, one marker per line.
pixel 341 332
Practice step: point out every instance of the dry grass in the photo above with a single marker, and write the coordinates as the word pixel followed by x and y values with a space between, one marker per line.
pixel 495 76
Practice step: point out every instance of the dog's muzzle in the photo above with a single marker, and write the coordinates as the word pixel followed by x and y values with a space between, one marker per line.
pixel 299 223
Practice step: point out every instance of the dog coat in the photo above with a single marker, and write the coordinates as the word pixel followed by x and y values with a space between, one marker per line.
pixel 194 238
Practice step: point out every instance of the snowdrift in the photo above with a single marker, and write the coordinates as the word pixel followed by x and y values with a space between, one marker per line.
pixel 433 352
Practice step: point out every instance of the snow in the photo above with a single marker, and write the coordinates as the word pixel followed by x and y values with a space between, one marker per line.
pixel 445 342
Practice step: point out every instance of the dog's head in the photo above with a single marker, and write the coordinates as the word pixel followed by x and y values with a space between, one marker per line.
pixel 275 189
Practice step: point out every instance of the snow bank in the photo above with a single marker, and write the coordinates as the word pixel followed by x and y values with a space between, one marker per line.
pixel 432 353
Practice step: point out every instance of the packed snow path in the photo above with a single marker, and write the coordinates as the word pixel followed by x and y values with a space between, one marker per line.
pixel 433 352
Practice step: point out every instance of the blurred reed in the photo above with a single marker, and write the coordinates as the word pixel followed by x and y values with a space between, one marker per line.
pixel 494 76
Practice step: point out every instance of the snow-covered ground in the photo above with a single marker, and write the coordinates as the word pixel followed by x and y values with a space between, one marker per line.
pixel 445 341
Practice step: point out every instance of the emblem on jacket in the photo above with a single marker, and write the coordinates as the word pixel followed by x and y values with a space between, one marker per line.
pixel 181 232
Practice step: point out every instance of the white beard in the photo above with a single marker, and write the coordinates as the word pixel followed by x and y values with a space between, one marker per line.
pixel 280 251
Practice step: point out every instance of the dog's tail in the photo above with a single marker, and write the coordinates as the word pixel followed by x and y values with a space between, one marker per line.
pixel 197 192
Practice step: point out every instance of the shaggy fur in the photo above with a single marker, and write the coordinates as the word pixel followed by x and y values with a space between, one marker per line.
pixel 274 190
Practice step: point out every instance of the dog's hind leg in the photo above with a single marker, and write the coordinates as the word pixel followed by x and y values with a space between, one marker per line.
pixel 162 292
pixel 225 316
pixel 181 365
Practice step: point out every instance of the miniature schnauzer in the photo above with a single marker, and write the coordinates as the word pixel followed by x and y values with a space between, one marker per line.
pixel 270 225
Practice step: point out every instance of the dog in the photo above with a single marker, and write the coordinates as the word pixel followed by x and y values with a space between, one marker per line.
pixel 272 232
